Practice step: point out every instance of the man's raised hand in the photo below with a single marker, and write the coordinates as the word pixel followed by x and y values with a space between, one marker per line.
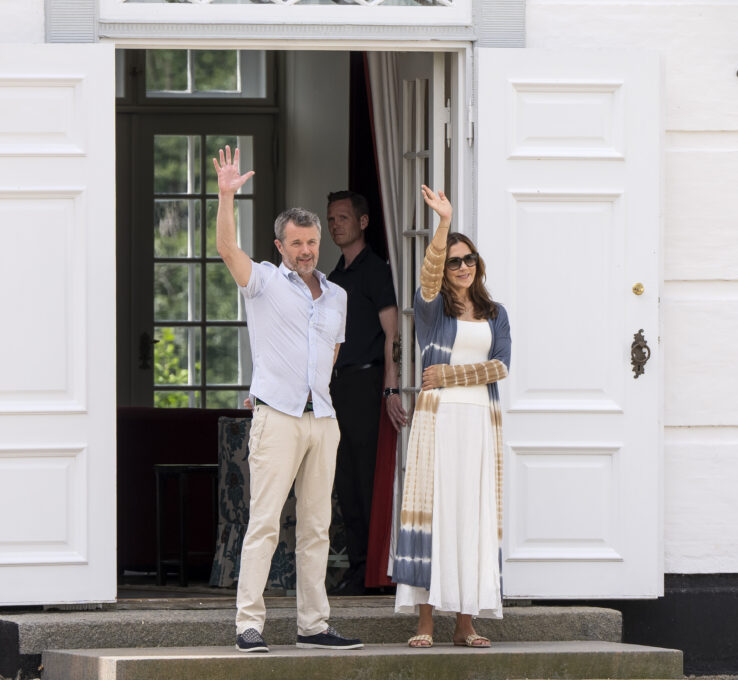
pixel 230 180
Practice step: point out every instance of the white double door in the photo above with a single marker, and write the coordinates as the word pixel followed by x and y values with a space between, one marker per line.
pixel 568 221
pixel 57 348
pixel 568 194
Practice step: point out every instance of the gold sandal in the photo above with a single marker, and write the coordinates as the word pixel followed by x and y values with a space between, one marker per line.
pixel 469 641
pixel 420 638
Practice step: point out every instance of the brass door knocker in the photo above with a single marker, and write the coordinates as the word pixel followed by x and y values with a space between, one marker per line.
pixel 640 353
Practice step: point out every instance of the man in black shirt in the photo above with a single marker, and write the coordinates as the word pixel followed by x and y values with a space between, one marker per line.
pixel 364 371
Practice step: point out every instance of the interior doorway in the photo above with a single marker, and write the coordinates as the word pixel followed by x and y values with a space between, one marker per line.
pixel 303 121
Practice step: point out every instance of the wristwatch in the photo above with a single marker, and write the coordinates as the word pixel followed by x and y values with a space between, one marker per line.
pixel 391 390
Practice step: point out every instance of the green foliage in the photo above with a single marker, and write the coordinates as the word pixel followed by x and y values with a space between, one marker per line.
pixel 222 354
pixel 212 71
pixel 168 371
pixel 223 399
pixel 170 164
pixel 221 293
pixel 166 70
pixel 215 70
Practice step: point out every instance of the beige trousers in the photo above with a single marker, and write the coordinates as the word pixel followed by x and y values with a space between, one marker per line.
pixel 284 449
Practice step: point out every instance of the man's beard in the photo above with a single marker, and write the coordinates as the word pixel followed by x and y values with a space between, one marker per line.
pixel 302 267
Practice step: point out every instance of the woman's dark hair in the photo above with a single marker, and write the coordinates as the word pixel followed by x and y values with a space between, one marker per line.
pixel 484 306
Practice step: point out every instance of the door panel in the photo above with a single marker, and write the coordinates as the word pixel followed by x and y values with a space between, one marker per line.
pixel 569 193
pixel 57 356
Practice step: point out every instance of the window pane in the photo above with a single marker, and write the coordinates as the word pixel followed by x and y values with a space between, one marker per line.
pixel 176 292
pixel 177 399
pixel 177 164
pixel 245 144
pixel 120 73
pixel 253 73
pixel 177 356
pixel 166 71
pixel 226 398
pixel 206 73
pixel 176 228
pixel 244 212
pixel 221 293
pixel 222 356
pixel 215 70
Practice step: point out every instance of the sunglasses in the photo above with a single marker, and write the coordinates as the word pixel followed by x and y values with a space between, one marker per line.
pixel 469 260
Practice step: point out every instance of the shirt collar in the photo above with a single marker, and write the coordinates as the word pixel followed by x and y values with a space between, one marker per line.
pixel 292 275
pixel 355 262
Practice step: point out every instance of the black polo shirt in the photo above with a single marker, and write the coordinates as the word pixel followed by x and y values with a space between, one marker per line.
pixel 368 284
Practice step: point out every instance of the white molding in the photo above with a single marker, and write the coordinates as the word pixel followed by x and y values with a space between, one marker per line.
pixel 286 37
pixel 115 10
pixel 493 23
pixel 565 406
pixel 559 549
pixel 72 400
pixel 41 144
pixel 53 552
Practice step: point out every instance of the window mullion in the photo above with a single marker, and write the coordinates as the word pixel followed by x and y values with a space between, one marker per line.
pixel 190 74
pixel 203 280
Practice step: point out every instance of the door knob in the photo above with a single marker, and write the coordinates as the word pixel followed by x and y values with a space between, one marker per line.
pixel 638 289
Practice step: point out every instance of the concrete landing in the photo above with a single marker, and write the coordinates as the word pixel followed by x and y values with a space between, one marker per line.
pixel 566 660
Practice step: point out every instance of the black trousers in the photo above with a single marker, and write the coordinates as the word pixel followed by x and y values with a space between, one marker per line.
pixel 357 398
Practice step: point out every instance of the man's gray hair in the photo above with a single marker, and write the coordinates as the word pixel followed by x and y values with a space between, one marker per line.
pixel 299 217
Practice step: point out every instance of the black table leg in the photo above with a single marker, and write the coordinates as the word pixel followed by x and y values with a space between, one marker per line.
pixel 161 575
pixel 182 529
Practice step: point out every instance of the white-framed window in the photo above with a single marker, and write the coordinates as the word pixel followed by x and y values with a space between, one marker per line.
pixel 206 74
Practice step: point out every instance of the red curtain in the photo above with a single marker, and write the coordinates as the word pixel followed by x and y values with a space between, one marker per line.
pixel 364 178
pixel 380 526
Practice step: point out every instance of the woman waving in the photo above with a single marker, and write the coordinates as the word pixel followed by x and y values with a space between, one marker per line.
pixel 448 552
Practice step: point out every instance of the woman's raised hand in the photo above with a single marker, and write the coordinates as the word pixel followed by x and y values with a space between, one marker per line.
pixel 438 202
pixel 230 179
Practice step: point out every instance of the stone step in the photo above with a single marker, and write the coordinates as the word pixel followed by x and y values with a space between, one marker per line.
pixel 40 631
pixel 23 637
pixel 562 660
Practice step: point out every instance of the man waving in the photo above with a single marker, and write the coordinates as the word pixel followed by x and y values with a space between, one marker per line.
pixel 296 321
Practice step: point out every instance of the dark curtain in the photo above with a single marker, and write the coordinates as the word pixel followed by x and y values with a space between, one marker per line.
pixel 364 179
pixel 362 163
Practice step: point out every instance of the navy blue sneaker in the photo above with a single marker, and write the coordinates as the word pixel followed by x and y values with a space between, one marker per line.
pixel 251 641
pixel 329 639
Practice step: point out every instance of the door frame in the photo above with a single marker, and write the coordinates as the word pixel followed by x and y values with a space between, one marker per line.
pixel 462 87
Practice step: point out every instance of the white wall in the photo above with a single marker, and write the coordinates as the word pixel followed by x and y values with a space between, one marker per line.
pixel 317 111
pixel 700 303
pixel 22 21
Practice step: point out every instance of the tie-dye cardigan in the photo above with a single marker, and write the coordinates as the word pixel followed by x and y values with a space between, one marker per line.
pixel 436 334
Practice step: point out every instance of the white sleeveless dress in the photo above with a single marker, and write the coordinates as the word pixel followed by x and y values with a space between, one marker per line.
pixel 465 567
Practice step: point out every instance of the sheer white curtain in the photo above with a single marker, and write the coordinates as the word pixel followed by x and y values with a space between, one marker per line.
pixel 385 92
pixel 384 84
